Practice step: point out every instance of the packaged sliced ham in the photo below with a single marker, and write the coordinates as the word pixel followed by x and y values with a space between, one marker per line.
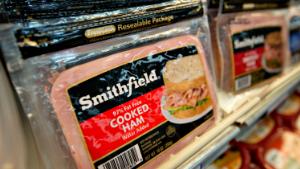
pixel 294 34
pixel 253 45
pixel 281 151
pixel 230 6
pixel 126 102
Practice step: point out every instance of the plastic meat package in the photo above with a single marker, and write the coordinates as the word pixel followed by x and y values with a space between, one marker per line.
pixel 37 37
pixel 126 102
pixel 253 47
pixel 294 34
pixel 12 139
pixel 44 9
pixel 212 13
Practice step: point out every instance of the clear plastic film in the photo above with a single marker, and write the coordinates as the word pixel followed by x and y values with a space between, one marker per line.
pixel 52 154
pixel 36 37
pixel 47 9
pixel 129 101
pixel 12 140
pixel 253 47
pixel 212 13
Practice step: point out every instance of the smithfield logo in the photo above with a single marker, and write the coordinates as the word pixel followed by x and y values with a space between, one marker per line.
pixel 116 90
pixel 249 42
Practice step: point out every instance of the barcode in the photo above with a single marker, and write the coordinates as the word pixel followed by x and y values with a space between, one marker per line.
pixel 242 82
pixel 126 160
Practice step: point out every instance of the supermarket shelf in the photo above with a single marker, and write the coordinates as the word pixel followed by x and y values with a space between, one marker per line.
pixel 216 146
pixel 203 149
pixel 277 92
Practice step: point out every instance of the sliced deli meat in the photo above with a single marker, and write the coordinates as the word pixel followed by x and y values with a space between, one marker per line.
pixel 135 108
pixel 186 87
